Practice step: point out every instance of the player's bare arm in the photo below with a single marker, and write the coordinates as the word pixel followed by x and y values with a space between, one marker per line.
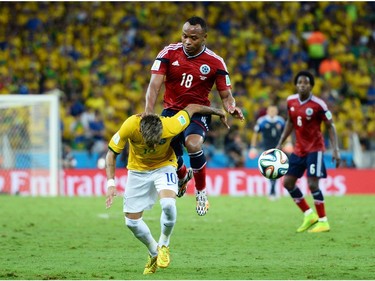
pixel 110 167
pixel 286 133
pixel 152 93
pixel 334 142
pixel 229 104
pixel 202 109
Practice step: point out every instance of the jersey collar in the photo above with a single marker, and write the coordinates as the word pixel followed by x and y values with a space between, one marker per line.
pixel 190 57
pixel 306 100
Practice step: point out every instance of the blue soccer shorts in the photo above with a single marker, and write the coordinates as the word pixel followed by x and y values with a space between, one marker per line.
pixel 199 125
pixel 313 163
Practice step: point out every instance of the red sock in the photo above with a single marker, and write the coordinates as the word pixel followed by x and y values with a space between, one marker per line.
pixel 200 178
pixel 302 204
pixel 181 173
pixel 320 209
pixel 298 198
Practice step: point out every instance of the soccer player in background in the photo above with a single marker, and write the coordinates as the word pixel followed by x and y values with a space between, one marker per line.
pixel 189 70
pixel 306 112
pixel 151 168
pixel 270 126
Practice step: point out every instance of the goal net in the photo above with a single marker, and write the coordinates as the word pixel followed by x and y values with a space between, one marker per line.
pixel 30 144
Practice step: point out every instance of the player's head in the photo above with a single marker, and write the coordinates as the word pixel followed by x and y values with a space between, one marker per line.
pixel 272 110
pixel 194 34
pixel 151 129
pixel 304 82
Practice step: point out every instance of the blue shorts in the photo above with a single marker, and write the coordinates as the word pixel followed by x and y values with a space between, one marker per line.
pixel 199 125
pixel 312 162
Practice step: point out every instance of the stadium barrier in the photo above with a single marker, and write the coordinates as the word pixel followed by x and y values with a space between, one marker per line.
pixel 231 182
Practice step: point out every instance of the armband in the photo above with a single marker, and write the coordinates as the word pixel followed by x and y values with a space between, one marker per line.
pixel 111 182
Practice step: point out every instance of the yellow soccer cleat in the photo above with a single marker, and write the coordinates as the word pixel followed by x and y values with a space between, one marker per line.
pixel 151 265
pixel 164 258
pixel 320 226
pixel 308 221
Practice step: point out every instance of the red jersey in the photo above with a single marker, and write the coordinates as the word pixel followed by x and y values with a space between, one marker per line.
pixel 189 79
pixel 307 117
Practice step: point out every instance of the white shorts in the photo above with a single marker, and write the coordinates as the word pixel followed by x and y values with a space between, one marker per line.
pixel 142 188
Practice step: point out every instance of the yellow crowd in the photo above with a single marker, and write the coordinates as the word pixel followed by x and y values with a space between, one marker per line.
pixel 100 54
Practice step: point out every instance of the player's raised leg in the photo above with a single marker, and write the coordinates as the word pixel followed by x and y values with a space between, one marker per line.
pixel 202 204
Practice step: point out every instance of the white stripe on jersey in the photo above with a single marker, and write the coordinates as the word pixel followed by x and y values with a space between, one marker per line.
pixel 320 102
pixel 211 53
pixel 163 52
pixel 293 97
pixel 179 45
pixel 312 98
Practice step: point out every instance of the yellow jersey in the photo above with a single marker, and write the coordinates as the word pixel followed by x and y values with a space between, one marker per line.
pixel 141 157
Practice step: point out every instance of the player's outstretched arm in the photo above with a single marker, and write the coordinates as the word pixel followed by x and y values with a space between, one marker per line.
pixel 286 132
pixel 152 93
pixel 191 109
pixel 334 142
pixel 229 103
pixel 110 167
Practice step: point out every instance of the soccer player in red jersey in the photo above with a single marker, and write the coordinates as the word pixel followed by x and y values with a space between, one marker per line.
pixel 306 112
pixel 189 70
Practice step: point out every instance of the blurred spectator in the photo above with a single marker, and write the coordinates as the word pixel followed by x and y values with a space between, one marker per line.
pixel 328 67
pixel 96 138
pixel 98 52
pixel 68 159
pixel 317 43
pixel 234 147
pixel 371 93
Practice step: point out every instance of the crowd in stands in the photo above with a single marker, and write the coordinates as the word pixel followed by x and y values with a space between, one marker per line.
pixel 99 54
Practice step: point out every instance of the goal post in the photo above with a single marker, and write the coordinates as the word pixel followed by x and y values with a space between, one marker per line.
pixel 30 144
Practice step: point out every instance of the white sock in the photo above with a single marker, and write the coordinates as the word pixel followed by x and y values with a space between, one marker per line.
pixel 167 220
pixel 142 232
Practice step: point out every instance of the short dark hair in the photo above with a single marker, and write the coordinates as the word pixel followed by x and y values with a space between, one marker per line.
pixel 151 129
pixel 307 74
pixel 198 20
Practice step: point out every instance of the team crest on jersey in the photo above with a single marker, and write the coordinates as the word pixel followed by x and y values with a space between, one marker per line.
pixel 309 111
pixel 205 69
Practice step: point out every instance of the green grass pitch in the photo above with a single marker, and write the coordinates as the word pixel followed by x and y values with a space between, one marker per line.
pixel 241 238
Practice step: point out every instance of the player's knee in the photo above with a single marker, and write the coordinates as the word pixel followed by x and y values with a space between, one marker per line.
pixel 132 224
pixel 193 144
pixel 168 206
pixel 289 183
pixel 313 184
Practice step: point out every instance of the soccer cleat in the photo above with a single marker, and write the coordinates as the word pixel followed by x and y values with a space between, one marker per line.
pixel 320 226
pixel 202 202
pixel 182 184
pixel 308 221
pixel 163 257
pixel 151 265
